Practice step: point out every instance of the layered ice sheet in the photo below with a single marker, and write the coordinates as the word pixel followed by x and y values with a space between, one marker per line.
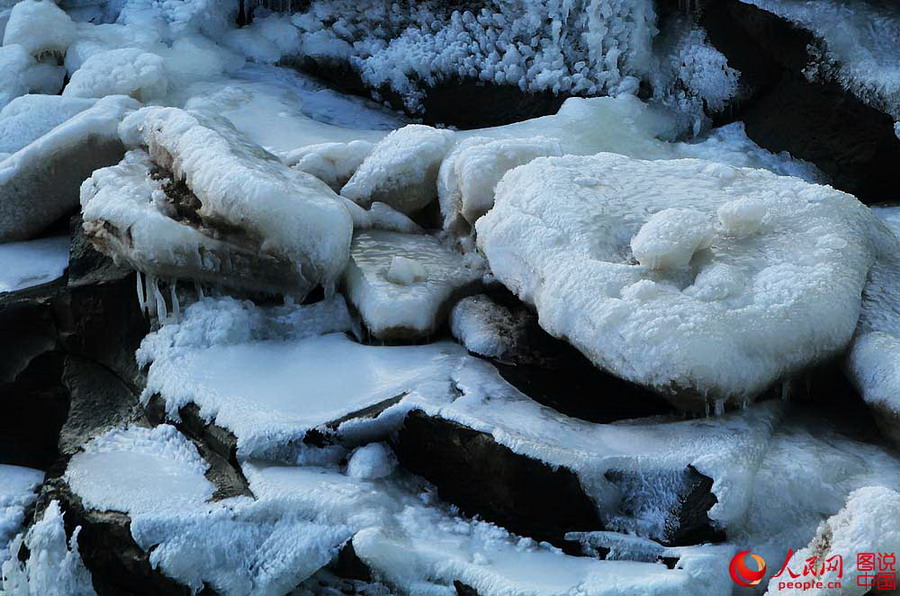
pixel 402 284
pixel 619 254
pixel 27 264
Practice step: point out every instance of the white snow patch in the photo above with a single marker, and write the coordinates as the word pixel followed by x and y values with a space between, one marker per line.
pixel 372 461
pixel 126 71
pixel 32 263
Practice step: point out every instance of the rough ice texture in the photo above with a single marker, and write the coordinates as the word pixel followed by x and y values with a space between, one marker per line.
pixel 402 284
pixel 569 46
pixel 40 26
pixel 743 314
pixel 469 175
pixel 27 264
pixel 869 523
pixel 861 42
pixel 669 238
pixel 20 73
pixel 39 183
pixel 17 492
pixel 279 212
pixel 26 119
pixel 874 358
pixel 269 378
pixel 401 170
pixel 485 327
pixel 126 71
pixel 53 567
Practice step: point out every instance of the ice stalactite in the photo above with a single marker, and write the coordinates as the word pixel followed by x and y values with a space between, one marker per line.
pixel 173 295
pixel 786 390
pixel 142 303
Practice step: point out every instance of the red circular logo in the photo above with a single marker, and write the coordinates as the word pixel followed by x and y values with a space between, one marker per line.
pixel 742 574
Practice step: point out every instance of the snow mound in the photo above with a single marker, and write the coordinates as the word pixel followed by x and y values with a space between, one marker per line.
pixel 868 524
pixel 470 173
pixel 240 189
pixel 126 71
pixel 54 566
pixel 39 183
pixel 40 26
pixel 26 119
pixel 27 264
pixel 402 169
pixel 401 284
pixel 726 322
pixel 17 492
pixel 332 163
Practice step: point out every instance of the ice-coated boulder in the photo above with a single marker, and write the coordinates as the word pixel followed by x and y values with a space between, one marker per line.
pixel 39 183
pixel 29 117
pixel 701 280
pixel 402 284
pixel 401 169
pixel 20 73
pixel 40 26
pixel 125 71
pixel 332 163
pixel 218 206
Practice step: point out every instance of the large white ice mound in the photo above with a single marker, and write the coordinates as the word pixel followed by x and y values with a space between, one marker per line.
pixel 738 316
pixel 402 169
pixel 39 26
pixel 126 71
pixel 277 211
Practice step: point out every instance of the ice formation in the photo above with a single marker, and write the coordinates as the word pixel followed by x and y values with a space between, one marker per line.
pixel 41 27
pixel 401 170
pixel 26 119
pixel 402 284
pixel 27 264
pixel 744 313
pixel 485 327
pixel 222 191
pixel 126 71
pixel 39 183
pixel 332 163
pixel 20 73
pixel 17 492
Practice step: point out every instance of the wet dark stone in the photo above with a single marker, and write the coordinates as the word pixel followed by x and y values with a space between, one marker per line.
pixel 815 120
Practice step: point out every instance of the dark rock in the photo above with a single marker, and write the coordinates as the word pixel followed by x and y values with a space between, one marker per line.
pixel 464 590
pixel 532 498
pixel 814 119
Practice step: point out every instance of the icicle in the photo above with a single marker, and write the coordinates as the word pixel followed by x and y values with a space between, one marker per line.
pixel 706 407
pixel 142 302
pixel 199 288
pixel 152 292
pixel 719 407
pixel 745 403
pixel 173 295
pixel 161 311
pixel 786 390
pixel 288 300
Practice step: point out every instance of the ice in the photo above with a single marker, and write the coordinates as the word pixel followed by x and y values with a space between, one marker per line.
pixel 372 461
pixel 868 524
pixel 40 26
pixel 742 315
pixel 401 170
pixel 671 237
pixel 39 183
pixel 332 163
pixel 742 217
pixel 469 175
pixel 17 492
pixel 26 119
pixel 53 566
pixel 485 327
pixel 32 263
pixel 398 298
pixel 270 377
pixel 126 71
pixel 20 73
pixel 381 217
pixel 280 212
pixel 861 42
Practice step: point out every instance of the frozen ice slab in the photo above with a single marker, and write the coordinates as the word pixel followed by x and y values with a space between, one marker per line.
pixel 17 492
pixel 32 263
pixel 39 183
pixel 700 280
pixel 270 392
pixel 402 284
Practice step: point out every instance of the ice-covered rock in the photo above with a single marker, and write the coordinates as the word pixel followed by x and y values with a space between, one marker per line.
pixel 27 118
pixel 868 524
pixel 40 26
pixel 402 284
pixel 381 217
pixel 489 329
pixel 469 175
pixel 402 169
pixel 220 186
pixel 17 492
pixel 39 183
pixel 728 320
pixel 27 264
pixel 332 163
pixel 126 71
pixel 20 73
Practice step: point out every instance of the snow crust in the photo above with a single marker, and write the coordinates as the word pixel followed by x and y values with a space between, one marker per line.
pixel 20 73
pixel 401 283
pixel 38 183
pixel 32 263
pixel 727 321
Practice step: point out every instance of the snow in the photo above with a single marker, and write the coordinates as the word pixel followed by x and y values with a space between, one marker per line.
pixel 17 492
pixel 401 283
pixel 742 217
pixel 20 73
pixel 868 524
pixel 53 567
pixel 126 71
pixel 332 163
pixel 269 377
pixel 27 118
pixel 372 461
pixel 40 26
pixel 559 234
pixel 671 237
pixel 38 183
pixel 32 263
pixel 294 216
pixel 861 42
pixel 401 170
